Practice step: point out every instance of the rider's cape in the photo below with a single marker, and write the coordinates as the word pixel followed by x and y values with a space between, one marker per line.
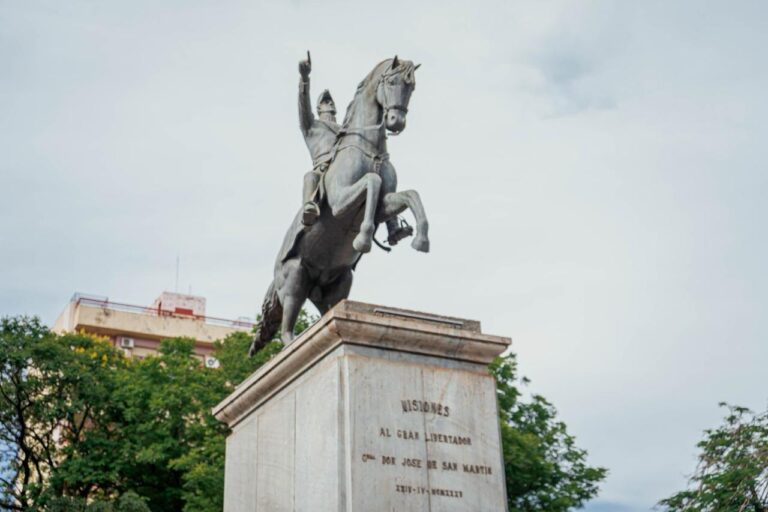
pixel 295 232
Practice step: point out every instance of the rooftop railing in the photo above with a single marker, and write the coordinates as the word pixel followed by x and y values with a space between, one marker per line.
pixel 104 302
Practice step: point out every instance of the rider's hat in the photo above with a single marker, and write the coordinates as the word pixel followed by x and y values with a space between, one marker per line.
pixel 325 103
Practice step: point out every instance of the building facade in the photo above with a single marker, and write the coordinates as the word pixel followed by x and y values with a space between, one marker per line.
pixel 138 330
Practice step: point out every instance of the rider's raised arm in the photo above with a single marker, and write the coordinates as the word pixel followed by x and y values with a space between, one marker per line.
pixel 306 117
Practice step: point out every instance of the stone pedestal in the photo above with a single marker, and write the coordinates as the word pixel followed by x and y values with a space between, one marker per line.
pixel 371 409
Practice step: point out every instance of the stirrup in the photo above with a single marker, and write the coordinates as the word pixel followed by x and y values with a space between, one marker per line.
pixel 399 234
pixel 311 213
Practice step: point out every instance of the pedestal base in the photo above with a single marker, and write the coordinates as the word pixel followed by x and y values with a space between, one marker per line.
pixel 371 409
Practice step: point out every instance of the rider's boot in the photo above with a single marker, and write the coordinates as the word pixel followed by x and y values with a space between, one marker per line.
pixel 311 209
pixel 396 232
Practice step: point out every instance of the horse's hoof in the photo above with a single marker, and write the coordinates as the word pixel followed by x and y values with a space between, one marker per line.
pixel 256 345
pixel 287 338
pixel 362 244
pixel 421 244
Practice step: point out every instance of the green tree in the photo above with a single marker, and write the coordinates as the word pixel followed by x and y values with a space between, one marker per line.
pixel 164 407
pixel 139 434
pixel 732 473
pixel 55 437
pixel 173 449
pixel 545 470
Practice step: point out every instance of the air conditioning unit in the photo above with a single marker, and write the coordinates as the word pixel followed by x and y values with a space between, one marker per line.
pixel 126 342
pixel 211 362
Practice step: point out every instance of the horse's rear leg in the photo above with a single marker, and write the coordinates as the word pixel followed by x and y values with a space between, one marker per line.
pixel 366 189
pixel 293 292
pixel 271 316
pixel 395 203
pixel 334 292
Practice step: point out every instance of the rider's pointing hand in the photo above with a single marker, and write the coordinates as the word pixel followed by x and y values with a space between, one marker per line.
pixel 305 66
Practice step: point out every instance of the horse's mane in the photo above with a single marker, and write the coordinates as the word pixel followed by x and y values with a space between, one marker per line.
pixel 405 67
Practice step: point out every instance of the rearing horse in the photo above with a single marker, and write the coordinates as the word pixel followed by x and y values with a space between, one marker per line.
pixel 359 191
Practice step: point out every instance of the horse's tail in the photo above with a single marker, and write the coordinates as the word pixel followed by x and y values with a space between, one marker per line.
pixel 271 316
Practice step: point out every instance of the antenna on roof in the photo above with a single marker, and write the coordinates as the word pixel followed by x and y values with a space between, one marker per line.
pixel 176 289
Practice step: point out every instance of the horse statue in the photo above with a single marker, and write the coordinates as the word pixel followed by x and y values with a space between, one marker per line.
pixel 358 192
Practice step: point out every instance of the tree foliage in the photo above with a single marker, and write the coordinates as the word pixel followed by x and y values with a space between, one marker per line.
pixel 55 413
pixel 545 470
pixel 732 472
pixel 82 428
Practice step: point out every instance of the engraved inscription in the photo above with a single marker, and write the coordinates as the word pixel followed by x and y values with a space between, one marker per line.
pixel 411 463
pixel 425 407
pixel 433 437
pixel 428 437
pixel 419 489
pixel 476 469
pixel 397 435
pixel 445 465
pixel 450 493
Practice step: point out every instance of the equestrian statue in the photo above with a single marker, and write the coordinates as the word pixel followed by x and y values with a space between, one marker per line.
pixel 351 189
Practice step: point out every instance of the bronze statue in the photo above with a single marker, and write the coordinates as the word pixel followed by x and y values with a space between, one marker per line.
pixel 356 190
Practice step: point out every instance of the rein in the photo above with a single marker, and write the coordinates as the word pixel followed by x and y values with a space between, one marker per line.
pixel 385 109
pixel 360 131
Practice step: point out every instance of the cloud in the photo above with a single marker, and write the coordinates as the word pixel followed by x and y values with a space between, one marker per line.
pixel 569 78
pixel 561 54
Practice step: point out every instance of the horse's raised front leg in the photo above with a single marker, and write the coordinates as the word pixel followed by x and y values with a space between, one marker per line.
pixel 366 189
pixel 395 203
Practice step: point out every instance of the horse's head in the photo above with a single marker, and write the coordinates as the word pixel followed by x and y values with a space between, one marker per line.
pixel 396 84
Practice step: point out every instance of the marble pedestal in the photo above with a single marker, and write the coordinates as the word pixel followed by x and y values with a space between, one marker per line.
pixel 371 409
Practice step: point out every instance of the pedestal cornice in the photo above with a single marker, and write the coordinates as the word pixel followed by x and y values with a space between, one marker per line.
pixel 357 323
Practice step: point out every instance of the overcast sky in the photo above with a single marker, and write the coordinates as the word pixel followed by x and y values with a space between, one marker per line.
pixel 594 173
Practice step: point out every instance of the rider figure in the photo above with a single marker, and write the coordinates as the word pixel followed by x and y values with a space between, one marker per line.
pixel 320 136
